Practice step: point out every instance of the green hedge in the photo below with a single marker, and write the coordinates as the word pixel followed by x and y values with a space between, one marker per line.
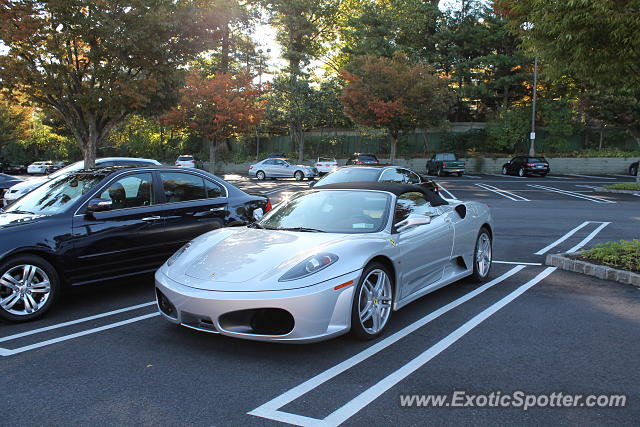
pixel 624 254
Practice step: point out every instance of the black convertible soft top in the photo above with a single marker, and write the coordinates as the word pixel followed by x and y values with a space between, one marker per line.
pixel 391 187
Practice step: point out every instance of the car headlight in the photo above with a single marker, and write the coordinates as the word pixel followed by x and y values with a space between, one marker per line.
pixel 309 266
pixel 179 252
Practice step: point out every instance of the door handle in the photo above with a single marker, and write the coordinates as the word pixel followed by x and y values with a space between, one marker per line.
pixel 151 218
pixel 216 209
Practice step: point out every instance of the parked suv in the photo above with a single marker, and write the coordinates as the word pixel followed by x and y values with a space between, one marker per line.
pixel 445 163
pixel 525 165
pixel 363 159
pixel 186 161
pixel 23 188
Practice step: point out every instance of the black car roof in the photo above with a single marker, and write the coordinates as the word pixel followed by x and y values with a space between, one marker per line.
pixel 391 187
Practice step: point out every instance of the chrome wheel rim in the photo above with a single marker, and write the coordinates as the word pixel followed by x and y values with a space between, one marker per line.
pixel 260 175
pixel 298 176
pixel 24 289
pixel 374 301
pixel 483 255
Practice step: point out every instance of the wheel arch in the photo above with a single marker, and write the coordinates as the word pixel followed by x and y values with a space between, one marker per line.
pixel 51 258
pixel 386 261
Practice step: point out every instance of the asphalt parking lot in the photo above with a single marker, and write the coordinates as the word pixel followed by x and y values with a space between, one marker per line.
pixel 104 356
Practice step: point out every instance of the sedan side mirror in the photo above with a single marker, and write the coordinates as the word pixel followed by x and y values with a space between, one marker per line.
pixel 258 213
pixel 412 220
pixel 99 205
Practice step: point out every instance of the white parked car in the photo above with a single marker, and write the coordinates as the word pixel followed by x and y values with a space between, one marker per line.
pixel 38 168
pixel 281 168
pixel 326 165
pixel 25 187
pixel 186 162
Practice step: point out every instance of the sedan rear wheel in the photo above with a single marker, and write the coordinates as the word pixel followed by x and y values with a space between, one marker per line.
pixel 299 176
pixel 28 286
pixel 373 302
pixel 482 256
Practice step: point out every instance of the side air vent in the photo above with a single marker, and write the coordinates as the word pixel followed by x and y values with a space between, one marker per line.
pixel 461 210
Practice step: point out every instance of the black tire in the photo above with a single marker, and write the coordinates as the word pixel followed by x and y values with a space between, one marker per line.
pixel 521 172
pixel 45 268
pixel 478 275
pixel 261 175
pixel 358 331
pixel 633 170
pixel 460 173
pixel 298 175
pixel 439 172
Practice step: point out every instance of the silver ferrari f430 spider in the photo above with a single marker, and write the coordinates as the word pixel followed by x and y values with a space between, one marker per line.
pixel 325 262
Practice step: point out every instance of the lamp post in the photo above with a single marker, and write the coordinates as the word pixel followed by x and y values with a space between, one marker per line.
pixel 532 136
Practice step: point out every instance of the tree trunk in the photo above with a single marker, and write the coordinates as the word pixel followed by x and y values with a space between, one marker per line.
pixel 225 48
pixel 601 138
pixel 394 145
pixel 425 140
pixel 300 141
pixel 89 151
pixel 212 155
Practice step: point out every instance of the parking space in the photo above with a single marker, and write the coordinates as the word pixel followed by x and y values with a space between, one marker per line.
pixel 103 355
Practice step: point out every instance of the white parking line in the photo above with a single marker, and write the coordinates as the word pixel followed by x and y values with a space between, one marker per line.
pixel 74 322
pixel 559 177
pixel 572 194
pixel 271 408
pixel 588 176
pixel 506 176
pixel 11 352
pixel 593 187
pixel 516 262
pixel 277 190
pixel 365 398
pixel 473 176
pixel 622 176
pixel 503 193
pixel 562 239
pixel 588 238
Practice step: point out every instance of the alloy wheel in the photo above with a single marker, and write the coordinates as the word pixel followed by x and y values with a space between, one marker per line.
pixel 483 254
pixel 299 176
pixel 24 289
pixel 374 301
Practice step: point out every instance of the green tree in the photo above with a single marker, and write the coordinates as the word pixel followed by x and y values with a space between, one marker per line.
pixel 95 62
pixel 304 28
pixel 392 94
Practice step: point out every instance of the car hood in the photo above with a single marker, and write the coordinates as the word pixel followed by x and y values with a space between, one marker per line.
pixel 26 186
pixel 8 219
pixel 250 259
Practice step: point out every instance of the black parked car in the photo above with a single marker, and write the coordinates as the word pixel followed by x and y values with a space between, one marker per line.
pixel 6 182
pixel 375 174
pixel 92 225
pixel 525 165
pixel 13 169
pixel 363 159
pixel 633 169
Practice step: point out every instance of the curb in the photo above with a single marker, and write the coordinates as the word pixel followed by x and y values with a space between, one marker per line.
pixel 608 190
pixel 563 262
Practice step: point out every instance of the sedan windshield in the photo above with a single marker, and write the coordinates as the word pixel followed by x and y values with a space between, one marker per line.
pixel 55 196
pixel 331 211
pixel 350 175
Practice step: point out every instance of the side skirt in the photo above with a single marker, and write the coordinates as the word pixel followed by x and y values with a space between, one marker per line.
pixel 432 287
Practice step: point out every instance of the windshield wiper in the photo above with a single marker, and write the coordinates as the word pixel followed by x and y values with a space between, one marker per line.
pixel 305 229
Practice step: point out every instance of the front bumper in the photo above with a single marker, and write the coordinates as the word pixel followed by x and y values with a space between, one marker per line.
pixel 319 311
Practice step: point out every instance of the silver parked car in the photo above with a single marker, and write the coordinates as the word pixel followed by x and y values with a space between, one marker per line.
pixel 327 261
pixel 281 168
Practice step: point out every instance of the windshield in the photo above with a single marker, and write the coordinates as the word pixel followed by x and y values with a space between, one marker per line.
pixel 71 168
pixel 55 196
pixel 537 159
pixel 326 159
pixel 350 175
pixel 185 158
pixel 331 211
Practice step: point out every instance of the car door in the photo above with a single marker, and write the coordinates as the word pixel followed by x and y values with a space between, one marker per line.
pixel 425 249
pixel 125 240
pixel 282 168
pixel 194 205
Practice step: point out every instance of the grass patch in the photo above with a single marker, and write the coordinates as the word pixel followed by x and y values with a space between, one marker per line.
pixel 623 186
pixel 624 255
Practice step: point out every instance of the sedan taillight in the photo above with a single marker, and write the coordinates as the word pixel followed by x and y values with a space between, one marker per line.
pixel 177 163
pixel 530 165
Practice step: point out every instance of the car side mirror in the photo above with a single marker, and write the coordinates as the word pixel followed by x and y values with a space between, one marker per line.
pixel 99 205
pixel 258 213
pixel 411 221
